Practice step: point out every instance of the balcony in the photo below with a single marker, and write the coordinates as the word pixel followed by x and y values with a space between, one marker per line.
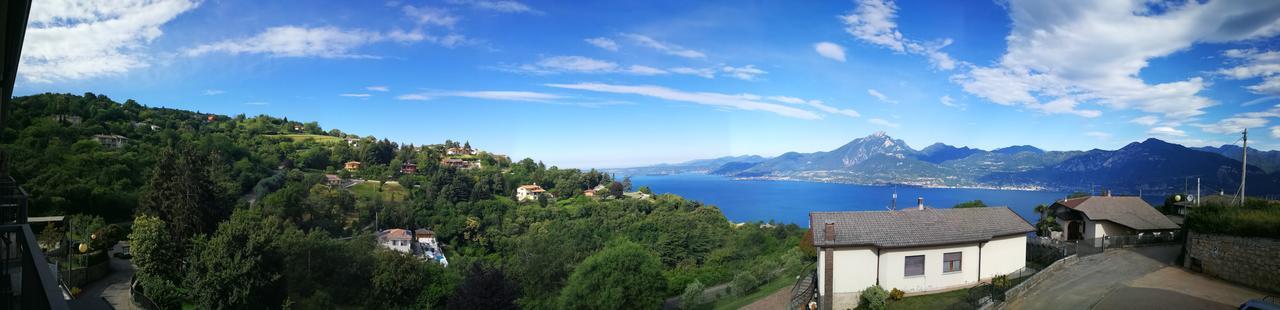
pixel 28 281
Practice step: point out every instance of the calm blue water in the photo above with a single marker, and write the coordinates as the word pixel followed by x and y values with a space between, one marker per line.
pixel 791 201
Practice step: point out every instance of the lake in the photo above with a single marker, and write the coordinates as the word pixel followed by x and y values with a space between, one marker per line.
pixel 791 201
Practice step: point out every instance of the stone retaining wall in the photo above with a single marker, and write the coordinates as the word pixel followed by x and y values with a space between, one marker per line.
pixel 1046 273
pixel 1251 261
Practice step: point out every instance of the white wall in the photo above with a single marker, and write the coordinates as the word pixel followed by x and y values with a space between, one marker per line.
pixel 893 265
pixel 1099 229
pixel 1004 255
pixel 854 269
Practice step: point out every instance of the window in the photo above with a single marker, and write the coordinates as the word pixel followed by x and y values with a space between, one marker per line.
pixel 914 266
pixel 951 262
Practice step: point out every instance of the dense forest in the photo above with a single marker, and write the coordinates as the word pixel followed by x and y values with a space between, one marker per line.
pixel 236 212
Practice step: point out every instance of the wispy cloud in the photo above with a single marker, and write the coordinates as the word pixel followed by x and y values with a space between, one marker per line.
pixel 873 22
pixel 377 88
pixel 880 96
pixel 947 101
pixel 431 16
pixel 214 92
pixel 580 64
pixel 257 103
pixel 1259 100
pixel 73 40
pixel 604 43
pixel 830 50
pixel 1255 64
pixel 501 6
pixel 1166 131
pixel 667 48
pixel 1148 120
pixel 498 95
pixel 883 122
pixel 356 95
pixel 709 73
pixel 745 73
pixel 293 41
pixel 816 104
pixel 746 102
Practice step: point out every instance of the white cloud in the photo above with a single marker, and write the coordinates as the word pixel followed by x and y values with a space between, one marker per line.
pixel 257 103
pixel 1259 100
pixel 604 43
pixel 709 73
pixel 1065 105
pixel 214 92
pixel 644 70
pixel 745 73
pixel 947 101
pixel 816 104
pixel 872 21
pixel 1255 64
pixel 880 96
pixel 377 88
pixel 293 41
pixel 502 6
pixel 882 122
pixel 1146 120
pixel 73 40
pixel 499 95
pixel 356 95
pixel 1240 121
pixel 746 102
pixel 1166 131
pixel 668 48
pixel 1093 51
pixel 577 64
pixel 431 16
pixel 1098 134
pixel 1275 131
pixel 830 50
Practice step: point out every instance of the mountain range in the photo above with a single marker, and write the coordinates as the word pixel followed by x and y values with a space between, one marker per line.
pixel 1152 165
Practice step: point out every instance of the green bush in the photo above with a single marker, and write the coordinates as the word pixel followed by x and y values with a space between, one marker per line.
pixel 1001 281
pixel 873 298
pixel 1257 218
pixel 896 294
pixel 743 283
pixel 692 297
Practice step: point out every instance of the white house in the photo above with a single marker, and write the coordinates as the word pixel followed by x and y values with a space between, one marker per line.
pixel 396 239
pixel 529 192
pixel 111 141
pixel 915 250
pixel 1094 217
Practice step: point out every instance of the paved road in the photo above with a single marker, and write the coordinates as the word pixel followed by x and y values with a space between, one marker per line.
pixel 114 288
pixel 1131 279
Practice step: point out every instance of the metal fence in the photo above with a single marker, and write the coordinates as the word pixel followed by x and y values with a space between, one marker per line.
pixel 1087 247
pixel 804 291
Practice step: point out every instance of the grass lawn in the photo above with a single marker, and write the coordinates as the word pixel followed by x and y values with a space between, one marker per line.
pixel 764 290
pixel 390 191
pixel 931 301
pixel 301 137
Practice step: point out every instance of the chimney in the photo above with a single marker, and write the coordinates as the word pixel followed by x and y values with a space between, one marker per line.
pixel 920 203
pixel 829 232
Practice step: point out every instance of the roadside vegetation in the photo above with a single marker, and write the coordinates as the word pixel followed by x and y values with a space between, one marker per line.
pixel 235 212
pixel 1256 218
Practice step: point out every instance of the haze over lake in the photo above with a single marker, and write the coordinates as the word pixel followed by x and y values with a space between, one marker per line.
pixel 791 201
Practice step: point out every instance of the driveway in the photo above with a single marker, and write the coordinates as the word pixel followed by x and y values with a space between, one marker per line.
pixel 112 289
pixel 1131 279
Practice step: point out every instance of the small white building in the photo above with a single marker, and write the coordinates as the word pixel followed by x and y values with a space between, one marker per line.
pixel 917 250
pixel 396 239
pixel 529 192
pixel 111 141
pixel 1091 218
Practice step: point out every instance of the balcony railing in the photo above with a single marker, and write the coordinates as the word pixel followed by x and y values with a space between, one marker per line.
pixel 27 280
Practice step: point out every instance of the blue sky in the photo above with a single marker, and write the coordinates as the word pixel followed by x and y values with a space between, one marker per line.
pixel 621 84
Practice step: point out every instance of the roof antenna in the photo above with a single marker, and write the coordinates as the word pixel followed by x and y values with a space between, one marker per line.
pixel 894 205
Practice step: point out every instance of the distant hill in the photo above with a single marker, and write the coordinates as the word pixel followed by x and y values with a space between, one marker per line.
pixel 938 153
pixel 1152 165
pixel 1267 160
pixel 692 166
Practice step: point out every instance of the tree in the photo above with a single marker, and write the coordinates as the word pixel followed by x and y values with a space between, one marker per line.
pixel 238 266
pixel 623 275
pixel 646 190
pixel 692 298
pixel 806 244
pixel 157 258
pixel 485 288
pixel 181 194
pixel 970 204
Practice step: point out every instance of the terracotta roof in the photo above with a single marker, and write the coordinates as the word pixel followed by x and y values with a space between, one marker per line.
pixel 910 228
pixel 395 234
pixel 1129 211
pixel 423 232
pixel 533 188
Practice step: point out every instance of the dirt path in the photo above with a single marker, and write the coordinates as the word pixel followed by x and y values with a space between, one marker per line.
pixel 776 300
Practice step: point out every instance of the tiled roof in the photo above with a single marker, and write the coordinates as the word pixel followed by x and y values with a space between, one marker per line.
pixel 533 188
pixel 908 228
pixel 1129 211
pixel 395 234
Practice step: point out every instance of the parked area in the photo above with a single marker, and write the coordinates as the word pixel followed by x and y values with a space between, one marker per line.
pixel 1132 278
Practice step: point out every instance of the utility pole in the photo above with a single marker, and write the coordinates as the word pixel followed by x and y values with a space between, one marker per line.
pixel 1197 192
pixel 1244 164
